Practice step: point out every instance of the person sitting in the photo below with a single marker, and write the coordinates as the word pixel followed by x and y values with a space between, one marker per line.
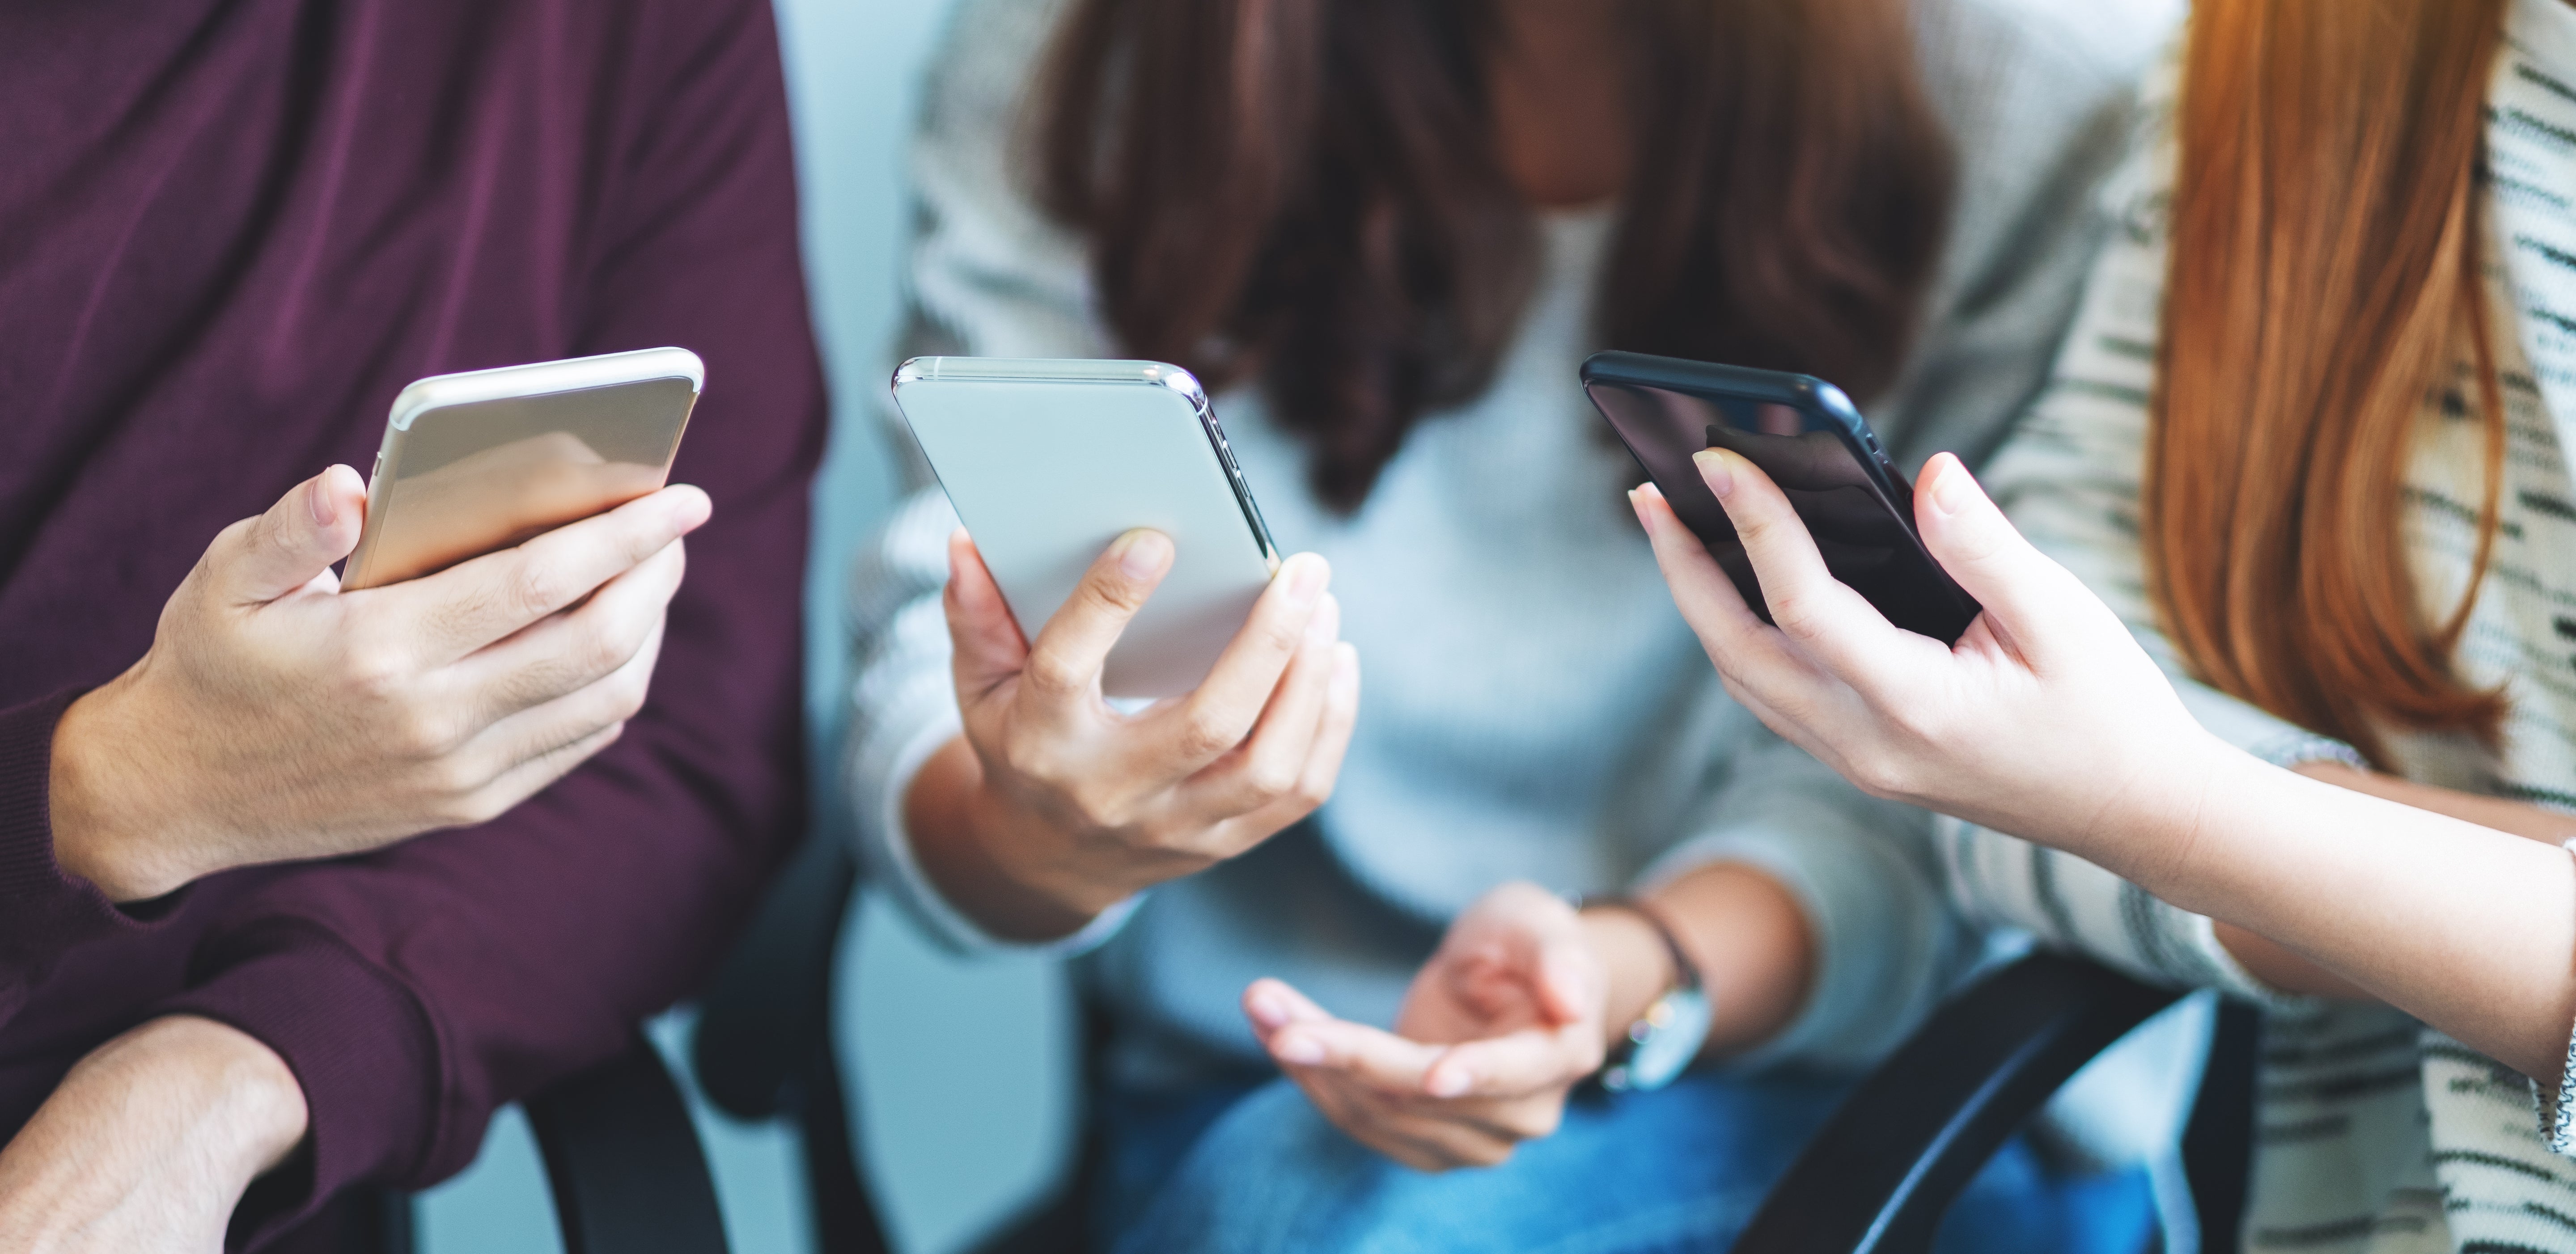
pixel 230 233
pixel 1385 233
pixel 2307 442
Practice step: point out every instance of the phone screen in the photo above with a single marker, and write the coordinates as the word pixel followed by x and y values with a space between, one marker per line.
pixel 1855 505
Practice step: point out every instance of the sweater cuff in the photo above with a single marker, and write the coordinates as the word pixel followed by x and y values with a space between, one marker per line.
pixel 43 911
pixel 360 1045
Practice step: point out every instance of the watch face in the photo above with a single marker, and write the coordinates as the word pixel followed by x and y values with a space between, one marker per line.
pixel 1666 1040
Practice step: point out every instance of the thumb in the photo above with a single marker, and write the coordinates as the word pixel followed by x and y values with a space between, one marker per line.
pixel 2024 592
pixel 989 646
pixel 258 560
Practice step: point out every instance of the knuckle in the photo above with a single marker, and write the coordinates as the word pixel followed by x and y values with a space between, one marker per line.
pixel 531 590
pixel 1114 594
pixel 600 648
pixel 1051 674
pixel 460 784
pixel 482 806
pixel 1794 613
pixel 1270 776
pixel 1098 805
pixel 1029 757
pixel 627 701
pixel 1880 776
pixel 420 732
pixel 1916 721
pixel 1206 732
pixel 375 668
pixel 1281 635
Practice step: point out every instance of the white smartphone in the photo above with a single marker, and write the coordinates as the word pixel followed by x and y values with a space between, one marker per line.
pixel 480 461
pixel 1048 461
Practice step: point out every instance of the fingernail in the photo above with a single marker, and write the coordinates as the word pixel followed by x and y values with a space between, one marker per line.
pixel 1949 489
pixel 1142 552
pixel 1714 467
pixel 688 510
pixel 1346 669
pixel 317 498
pixel 1448 1082
pixel 1306 581
pixel 1267 1010
pixel 1299 1051
pixel 1326 624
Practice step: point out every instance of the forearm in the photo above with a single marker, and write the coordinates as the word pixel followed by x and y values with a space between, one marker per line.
pixel 150 1141
pixel 964 850
pixel 2470 929
pixel 2285 969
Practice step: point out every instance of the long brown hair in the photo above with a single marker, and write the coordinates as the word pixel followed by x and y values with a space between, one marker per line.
pixel 2325 276
pixel 1308 193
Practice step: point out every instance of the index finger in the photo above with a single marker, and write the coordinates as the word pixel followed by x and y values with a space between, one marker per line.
pixel 1377 1058
pixel 1807 602
pixel 1065 660
pixel 474 603
pixel 1517 1064
pixel 1707 599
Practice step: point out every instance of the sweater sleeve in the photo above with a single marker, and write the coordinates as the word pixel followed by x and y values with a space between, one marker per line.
pixel 415 990
pixel 43 911
pixel 991 276
pixel 2070 479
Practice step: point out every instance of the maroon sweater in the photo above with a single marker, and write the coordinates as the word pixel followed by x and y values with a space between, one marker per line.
pixel 230 232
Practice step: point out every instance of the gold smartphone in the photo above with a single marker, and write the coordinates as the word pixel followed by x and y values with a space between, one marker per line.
pixel 477 462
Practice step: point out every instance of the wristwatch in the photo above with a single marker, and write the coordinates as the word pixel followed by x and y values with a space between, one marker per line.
pixel 1660 1045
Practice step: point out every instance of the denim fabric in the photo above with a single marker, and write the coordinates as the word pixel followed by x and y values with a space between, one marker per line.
pixel 1249 1172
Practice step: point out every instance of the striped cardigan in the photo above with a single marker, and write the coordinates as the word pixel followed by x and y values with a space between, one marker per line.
pixel 2376 1133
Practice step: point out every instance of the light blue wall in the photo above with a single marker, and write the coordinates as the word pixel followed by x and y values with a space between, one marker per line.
pixel 959 1067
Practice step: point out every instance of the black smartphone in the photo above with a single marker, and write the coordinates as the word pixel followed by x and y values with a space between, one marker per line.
pixel 1806 435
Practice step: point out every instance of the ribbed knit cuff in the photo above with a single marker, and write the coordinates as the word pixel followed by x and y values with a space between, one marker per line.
pixel 358 1041
pixel 42 910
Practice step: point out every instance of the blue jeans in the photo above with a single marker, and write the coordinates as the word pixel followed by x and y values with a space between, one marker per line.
pixel 1682 1169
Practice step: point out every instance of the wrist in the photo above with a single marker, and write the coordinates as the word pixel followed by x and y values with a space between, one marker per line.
pixel 986 859
pixel 98 797
pixel 261 1100
pixel 181 1112
pixel 2157 834
pixel 1636 965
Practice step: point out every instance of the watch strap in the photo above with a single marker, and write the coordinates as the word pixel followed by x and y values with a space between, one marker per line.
pixel 1663 1041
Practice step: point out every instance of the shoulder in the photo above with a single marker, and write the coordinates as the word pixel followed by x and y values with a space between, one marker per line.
pixel 2041 97
pixel 2000 53
pixel 987 62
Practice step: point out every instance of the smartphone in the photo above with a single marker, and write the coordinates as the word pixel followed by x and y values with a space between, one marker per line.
pixel 477 462
pixel 1806 435
pixel 1048 461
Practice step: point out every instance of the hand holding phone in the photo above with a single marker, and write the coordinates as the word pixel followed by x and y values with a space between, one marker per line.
pixel 1105 513
pixel 1810 441
pixel 1055 805
pixel 280 716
